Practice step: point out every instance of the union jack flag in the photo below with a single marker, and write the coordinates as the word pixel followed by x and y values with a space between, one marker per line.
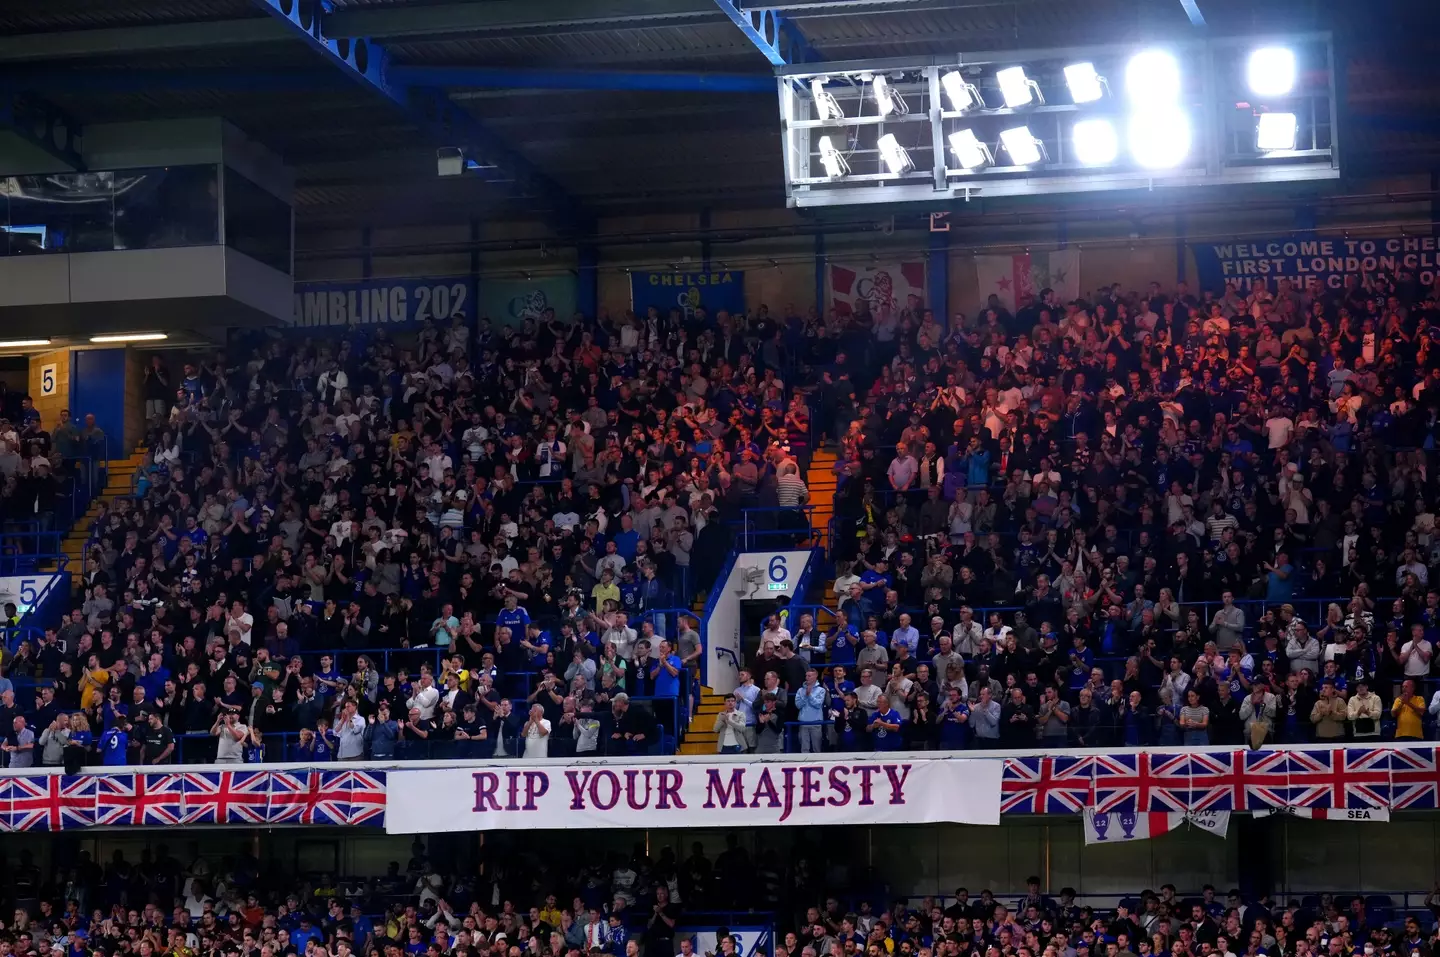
pixel 365 792
pixel 1414 779
pixel 226 797
pixel 1141 782
pixel 1019 783
pixel 51 803
pixel 1316 779
pixel 1212 781
pixel 140 799
pixel 308 797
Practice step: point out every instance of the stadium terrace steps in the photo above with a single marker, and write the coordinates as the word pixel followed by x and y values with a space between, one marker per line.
pixel 820 479
pixel 701 738
pixel 120 481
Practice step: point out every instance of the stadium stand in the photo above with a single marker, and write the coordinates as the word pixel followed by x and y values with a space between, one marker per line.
pixel 1047 527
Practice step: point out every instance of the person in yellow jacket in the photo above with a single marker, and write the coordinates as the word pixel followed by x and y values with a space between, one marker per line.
pixel 93 682
pixel 1409 712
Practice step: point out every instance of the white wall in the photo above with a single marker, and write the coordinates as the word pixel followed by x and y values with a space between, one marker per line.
pixel 720 632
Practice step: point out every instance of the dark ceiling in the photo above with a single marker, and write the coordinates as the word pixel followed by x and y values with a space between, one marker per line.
pixel 361 158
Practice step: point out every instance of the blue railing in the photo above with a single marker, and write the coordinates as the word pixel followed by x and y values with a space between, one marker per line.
pixel 199 747
pixel 775 527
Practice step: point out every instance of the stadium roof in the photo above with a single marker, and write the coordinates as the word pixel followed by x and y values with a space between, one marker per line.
pixel 587 108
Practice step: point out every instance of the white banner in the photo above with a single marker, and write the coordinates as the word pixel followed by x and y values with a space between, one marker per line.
pixel 1018 279
pixel 526 796
pixel 1114 827
pixel 1378 815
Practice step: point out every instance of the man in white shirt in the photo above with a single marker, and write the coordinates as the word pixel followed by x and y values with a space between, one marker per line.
pixel 1416 653
pixel 536 734
pixel 241 621
pixel 232 735
pixel 425 698
pixel 1278 429
pixel 437 460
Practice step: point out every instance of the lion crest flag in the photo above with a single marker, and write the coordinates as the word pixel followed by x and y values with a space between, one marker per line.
pixel 885 290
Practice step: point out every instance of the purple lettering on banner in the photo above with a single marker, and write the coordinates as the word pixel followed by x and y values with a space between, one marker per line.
pixel 789 774
pixel 715 787
pixel 765 788
pixel 630 789
pixel 897 781
pixel 840 786
pixel 578 780
pixel 611 778
pixel 866 771
pixel 537 785
pixel 486 783
pixel 513 789
pixel 809 787
pixel 670 783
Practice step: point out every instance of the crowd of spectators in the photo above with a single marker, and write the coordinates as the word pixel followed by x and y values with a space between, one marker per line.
pixel 1138 518
pixel 636 905
pixel 1108 521
pixel 483 540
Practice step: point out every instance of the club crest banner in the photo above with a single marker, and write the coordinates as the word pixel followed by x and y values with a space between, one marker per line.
pixel 721 794
pixel 512 302
pixel 885 290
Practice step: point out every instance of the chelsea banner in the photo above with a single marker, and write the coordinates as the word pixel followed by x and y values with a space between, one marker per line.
pixel 1302 258
pixel 714 290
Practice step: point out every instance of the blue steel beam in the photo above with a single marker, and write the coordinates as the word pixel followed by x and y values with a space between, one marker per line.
pixel 143 81
pixel 368 64
pixel 770 32
pixel 43 125
pixel 284 81
pixel 1192 10
pixel 528 79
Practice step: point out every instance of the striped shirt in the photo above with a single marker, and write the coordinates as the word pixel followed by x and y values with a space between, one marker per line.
pixel 790 490
pixel 1216 525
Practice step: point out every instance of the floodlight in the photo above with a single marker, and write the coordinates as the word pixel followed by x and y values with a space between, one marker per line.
pixel 1271 71
pixel 1021 144
pixel 1017 89
pixel 897 161
pixel 1160 138
pixel 1086 86
pixel 969 151
pixel 1276 131
pixel 886 98
pixel 826 107
pixel 962 94
pixel 830 158
pixel 1152 78
pixel 1095 142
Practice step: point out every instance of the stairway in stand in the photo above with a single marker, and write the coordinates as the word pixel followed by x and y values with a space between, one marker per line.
pixel 120 481
pixel 821 481
pixel 701 738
